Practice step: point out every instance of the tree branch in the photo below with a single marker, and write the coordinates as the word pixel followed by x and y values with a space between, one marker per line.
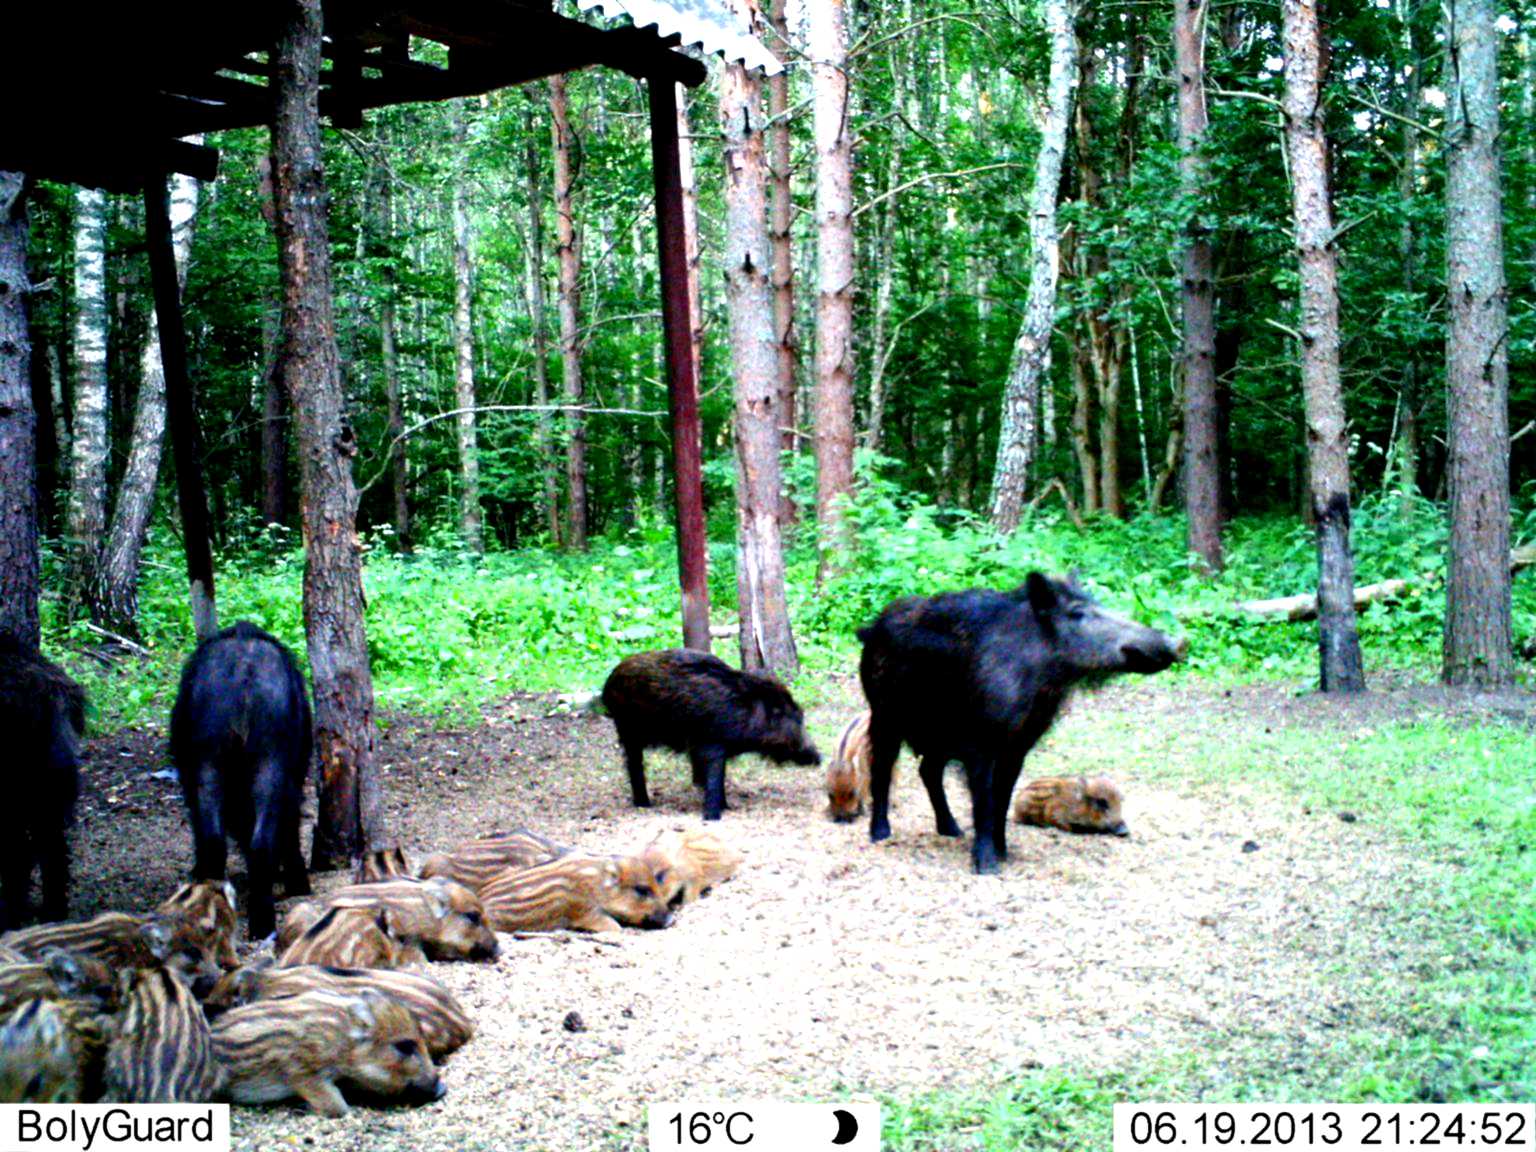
pixel 927 176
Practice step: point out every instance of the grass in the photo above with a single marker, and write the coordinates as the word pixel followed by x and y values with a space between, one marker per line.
pixel 1457 797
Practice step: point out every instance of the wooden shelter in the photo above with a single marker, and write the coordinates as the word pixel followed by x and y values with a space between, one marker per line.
pixel 104 97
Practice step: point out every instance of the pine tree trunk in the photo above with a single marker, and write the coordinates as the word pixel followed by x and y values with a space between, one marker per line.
pixel 567 246
pixel 1031 361
pixel 1478 647
pixel 766 639
pixel 689 181
pixel 1323 394
pixel 86 521
pixel 827 46
pixel 351 814
pixel 274 404
pixel 544 435
pixel 19 580
pixel 1202 477
pixel 471 523
pixel 781 238
pixel 115 597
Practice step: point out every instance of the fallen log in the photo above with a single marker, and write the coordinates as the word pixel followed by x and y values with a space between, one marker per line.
pixel 1304 607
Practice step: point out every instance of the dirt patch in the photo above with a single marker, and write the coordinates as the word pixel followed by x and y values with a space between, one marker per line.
pixel 829 963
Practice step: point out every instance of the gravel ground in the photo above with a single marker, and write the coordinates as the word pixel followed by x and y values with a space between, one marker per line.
pixel 828 963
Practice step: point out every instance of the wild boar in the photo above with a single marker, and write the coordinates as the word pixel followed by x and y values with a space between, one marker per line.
pixel 382 864
pixel 589 893
pixel 124 941
pixel 1072 803
pixel 352 936
pixel 848 774
pixel 689 862
pixel 476 863
pixel 161 1051
pixel 58 976
pixel 208 907
pixel 697 703
pixel 446 918
pixel 311 1045
pixel 50 1053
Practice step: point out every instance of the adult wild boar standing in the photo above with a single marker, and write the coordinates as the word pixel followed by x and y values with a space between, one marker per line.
pixel 979 677
pixel 42 717
pixel 241 735
pixel 697 703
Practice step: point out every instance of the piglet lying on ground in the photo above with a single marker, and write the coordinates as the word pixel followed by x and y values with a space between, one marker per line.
pixel 1073 804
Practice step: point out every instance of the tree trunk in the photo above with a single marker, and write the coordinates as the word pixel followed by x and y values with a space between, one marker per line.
pixel 1409 169
pixel 19 582
pixel 351 814
pixel 1477 591
pixel 1202 477
pixel 1327 435
pixel 781 238
pixel 389 356
pixel 827 46
pixel 544 435
pixel 567 246
pixel 1031 362
pixel 471 523
pixel 690 187
pixel 86 521
pixel 115 597
pixel 885 263
pixel 766 639
pixel 274 407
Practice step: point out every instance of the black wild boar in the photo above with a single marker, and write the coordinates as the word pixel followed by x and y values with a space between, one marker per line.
pixel 696 703
pixel 979 677
pixel 241 736
pixel 42 717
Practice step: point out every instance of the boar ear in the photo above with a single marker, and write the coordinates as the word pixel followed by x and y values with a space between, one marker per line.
pixel 360 1014
pixel 611 872
pixel 382 920
pixel 1041 591
pixel 439 898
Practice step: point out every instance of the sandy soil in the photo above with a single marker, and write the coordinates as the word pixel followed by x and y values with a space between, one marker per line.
pixel 829 964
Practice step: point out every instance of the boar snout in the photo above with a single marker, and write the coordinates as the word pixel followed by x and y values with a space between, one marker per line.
pixel 807 755
pixel 658 919
pixel 1120 829
pixel 486 951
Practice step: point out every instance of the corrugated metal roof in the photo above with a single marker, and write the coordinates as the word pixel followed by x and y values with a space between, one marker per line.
pixel 710 25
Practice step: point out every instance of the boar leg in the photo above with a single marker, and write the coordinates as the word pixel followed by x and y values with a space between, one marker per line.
pixel 323 1097
pixel 295 874
pixel 634 760
pixel 710 762
pixel 979 774
pixel 884 746
pixel 932 773
pixel 1002 791
pixel 261 859
pixel 596 921
pixel 207 804
pixel 53 857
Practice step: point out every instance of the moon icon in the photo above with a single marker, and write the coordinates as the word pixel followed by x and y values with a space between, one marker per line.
pixel 847 1127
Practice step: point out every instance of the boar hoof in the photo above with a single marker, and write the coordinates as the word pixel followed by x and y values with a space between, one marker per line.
pixel 883 832
pixel 950 829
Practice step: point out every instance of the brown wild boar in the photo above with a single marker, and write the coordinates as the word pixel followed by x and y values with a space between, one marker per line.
pixel 51 1052
pixel 59 976
pixel 589 893
pixel 383 864
pixel 848 774
pixel 161 1051
pixel 445 918
pixel 444 1024
pixel 689 862
pixel 1072 803
pixel 208 907
pixel 312 1044
pixel 477 862
pixel 352 936
pixel 124 941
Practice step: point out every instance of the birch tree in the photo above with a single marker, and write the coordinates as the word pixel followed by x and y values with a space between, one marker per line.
pixel 86 521
pixel 471 524
pixel 568 250
pixel 1327 434
pixel 115 594
pixel 766 639
pixel 1030 363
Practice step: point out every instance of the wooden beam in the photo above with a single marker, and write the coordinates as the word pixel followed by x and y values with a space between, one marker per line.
pixel 180 408
pixel 682 372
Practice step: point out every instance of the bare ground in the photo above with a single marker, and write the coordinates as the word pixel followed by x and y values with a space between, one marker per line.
pixel 830 963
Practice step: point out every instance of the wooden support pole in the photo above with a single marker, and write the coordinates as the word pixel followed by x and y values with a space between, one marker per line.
pixel 682 372
pixel 180 408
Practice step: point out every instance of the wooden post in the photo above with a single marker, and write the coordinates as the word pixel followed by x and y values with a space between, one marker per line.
pixel 180 409
pixel 682 372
